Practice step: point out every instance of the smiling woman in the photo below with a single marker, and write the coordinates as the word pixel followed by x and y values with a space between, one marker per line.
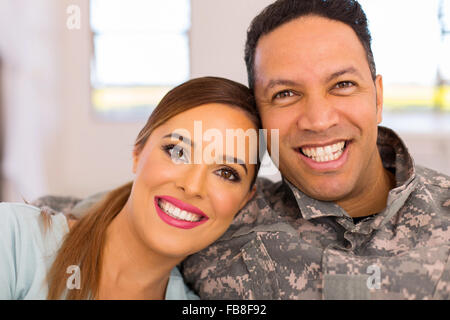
pixel 129 244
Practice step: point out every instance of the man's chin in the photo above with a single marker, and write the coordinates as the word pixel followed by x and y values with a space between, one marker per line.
pixel 325 191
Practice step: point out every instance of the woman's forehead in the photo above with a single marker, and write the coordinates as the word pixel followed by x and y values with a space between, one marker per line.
pixel 208 119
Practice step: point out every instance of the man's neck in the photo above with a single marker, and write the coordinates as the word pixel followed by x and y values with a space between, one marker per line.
pixel 373 200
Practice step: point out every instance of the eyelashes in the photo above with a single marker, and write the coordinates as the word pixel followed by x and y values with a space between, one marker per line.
pixel 175 152
pixel 179 154
pixel 283 95
pixel 234 175
pixel 346 85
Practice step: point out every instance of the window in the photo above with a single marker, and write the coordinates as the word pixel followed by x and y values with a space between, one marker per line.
pixel 411 45
pixel 141 51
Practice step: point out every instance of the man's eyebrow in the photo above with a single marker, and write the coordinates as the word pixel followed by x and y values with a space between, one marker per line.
pixel 279 82
pixel 178 136
pixel 236 160
pixel 339 73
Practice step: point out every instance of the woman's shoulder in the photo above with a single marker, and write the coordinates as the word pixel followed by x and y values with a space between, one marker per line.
pixel 10 209
pixel 16 216
pixel 177 288
pixel 26 248
pixel 21 217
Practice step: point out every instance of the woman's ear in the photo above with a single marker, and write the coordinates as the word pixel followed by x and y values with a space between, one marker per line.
pixel 136 154
pixel 249 196
pixel 252 192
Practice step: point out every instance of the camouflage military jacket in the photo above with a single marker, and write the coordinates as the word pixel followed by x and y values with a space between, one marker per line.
pixel 286 245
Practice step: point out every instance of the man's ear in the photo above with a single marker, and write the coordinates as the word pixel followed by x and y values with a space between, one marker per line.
pixel 379 91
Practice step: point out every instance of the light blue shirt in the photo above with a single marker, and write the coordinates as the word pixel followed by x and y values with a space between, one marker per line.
pixel 27 253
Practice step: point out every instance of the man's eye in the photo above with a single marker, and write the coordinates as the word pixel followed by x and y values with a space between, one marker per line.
pixel 284 94
pixel 344 84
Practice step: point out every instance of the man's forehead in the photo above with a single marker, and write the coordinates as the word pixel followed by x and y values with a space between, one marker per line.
pixel 310 26
pixel 314 44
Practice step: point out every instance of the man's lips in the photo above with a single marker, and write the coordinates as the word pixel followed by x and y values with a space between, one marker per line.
pixel 324 156
pixel 322 143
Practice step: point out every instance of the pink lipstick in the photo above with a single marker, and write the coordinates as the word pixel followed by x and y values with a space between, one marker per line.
pixel 179 214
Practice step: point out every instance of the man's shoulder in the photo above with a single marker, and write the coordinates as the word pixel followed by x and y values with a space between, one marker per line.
pixel 262 212
pixel 269 194
pixel 434 187
pixel 433 178
pixel 430 200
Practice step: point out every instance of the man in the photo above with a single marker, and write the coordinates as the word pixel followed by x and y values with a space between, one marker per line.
pixel 353 217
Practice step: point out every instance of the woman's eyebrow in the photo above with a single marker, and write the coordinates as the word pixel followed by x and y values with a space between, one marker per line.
pixel 178 136
pixel 229 159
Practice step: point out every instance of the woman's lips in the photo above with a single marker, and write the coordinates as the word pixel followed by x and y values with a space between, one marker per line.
pixel 179 213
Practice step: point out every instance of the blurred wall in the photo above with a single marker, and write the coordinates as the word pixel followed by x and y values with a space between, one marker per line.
pixel 53 144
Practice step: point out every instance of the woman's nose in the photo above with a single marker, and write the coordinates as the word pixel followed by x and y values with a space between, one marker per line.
pixel 193 181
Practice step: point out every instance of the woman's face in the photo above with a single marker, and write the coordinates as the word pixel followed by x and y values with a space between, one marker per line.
pixel 187 189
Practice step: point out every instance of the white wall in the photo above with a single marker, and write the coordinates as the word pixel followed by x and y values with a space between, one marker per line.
pixel 54 145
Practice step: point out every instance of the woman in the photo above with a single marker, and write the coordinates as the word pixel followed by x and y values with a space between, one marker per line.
pixel 129 244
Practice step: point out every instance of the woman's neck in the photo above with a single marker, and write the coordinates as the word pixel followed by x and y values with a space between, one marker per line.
pixel 130 270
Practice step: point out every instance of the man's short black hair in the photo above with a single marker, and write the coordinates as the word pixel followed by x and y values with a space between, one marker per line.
pixel 283 11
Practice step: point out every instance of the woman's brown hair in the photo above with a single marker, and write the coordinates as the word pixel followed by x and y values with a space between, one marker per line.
pixel 83 245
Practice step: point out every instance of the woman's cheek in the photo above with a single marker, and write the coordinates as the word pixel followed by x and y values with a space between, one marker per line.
pixel 160 171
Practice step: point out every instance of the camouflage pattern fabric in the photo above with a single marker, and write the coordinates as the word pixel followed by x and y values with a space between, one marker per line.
pixel 72 207
pixel 56 204
pixel 286 245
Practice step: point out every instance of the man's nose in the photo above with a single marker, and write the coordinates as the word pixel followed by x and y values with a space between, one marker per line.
pixel 193 181
pixel 317 114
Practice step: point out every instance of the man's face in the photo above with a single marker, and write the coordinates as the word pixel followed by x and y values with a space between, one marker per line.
pixel 313 83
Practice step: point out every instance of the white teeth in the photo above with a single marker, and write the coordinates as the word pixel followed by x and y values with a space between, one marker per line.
pixel 324 154
pixel 320 152
pixel 177 213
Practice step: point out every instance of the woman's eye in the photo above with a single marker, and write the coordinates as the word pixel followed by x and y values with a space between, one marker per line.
pixel 284 94
pixel 176 153
pixel 228 174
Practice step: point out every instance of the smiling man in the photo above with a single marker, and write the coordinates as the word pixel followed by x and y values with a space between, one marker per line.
pixel 314 84
pixel 353 217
